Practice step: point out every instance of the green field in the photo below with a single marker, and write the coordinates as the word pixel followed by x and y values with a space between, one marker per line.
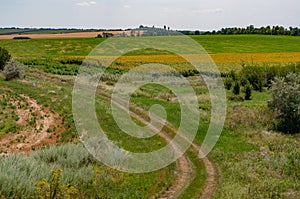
pixel 212 44
pixel 228 52
pixel 248 43
pixel 50 48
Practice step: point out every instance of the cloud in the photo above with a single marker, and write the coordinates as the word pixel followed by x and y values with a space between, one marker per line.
pixel 127 6
pixel 86 3
pixel 208 11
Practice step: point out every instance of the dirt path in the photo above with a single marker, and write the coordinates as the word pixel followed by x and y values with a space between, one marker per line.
pixel 211 172
pixel 184 165
pixel 185 171
pixel 36 125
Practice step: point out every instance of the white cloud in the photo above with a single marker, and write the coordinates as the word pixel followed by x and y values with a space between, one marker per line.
pixel 127 6
pixel 208 11
pixel 86 3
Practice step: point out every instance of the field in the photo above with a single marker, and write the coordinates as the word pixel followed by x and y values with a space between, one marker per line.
pixel 41 148
pixel 228 52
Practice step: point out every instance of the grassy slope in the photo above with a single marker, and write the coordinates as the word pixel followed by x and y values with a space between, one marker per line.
pixel 37 85
pixel 253 162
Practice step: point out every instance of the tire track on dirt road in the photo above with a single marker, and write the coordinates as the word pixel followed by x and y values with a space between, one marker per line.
pixel 184 165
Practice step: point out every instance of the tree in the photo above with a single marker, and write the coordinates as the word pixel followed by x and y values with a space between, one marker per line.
pixel 253 74
pixel 285 103
pixel 4 57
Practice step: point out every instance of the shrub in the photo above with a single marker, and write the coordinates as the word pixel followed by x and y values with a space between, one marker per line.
pixel 71 61
pixel 4 57
pixel 248 92
pixel 236 98
pixel 54 188
pixel 236 88
pixel 254 75
pixel 232 74
pixel 13 70
pixel 21 38
pixel 228 83
pixel 285 103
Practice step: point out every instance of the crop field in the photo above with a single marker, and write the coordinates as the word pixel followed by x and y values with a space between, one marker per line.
pixel 228 52
pixel 43 156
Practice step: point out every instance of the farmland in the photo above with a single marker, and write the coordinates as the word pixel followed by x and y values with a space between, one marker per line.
pixel 228 52
pixel 249 161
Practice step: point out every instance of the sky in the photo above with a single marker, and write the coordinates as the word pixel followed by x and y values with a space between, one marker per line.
pixel 177 14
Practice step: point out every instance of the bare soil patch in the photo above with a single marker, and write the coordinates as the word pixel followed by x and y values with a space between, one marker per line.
pixel 38 127
pixel 63 35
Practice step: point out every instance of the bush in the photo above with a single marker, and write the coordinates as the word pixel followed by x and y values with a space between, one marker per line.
pixel 260 76
pixel 228 83
pixel 232 74
pixel 248 92
pixel 285 103
pixel 21 38
pixel 236 98
pixel 13 70
pixel 4 57
pixel 236 88
pixel 253 74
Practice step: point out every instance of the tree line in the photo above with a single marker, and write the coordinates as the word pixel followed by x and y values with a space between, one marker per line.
pixel 268 30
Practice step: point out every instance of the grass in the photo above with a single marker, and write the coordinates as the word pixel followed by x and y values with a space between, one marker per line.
pixel 79 168
pixel 252 161
pixel 50 48
pixel 267 168
pixel 60 102
pixel 215 44
pixel 227 51
pixel 20 174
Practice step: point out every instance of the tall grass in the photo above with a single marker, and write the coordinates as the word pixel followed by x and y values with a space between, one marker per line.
pixel 20 175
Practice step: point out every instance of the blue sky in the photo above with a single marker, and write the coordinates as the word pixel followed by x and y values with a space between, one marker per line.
pixel 178 14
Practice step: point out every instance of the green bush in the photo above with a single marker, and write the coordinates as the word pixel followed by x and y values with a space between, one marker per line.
pixel 260 76
pixel 13 70
pixel 253 74
pixel 248 92
pixel 236 98
pixel 63 67
pixel 236 88
pixel 4 57
pixel 285 103
pixel 228 83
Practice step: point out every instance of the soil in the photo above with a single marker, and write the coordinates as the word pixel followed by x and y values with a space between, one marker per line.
pixel 63 35
pixel 31 137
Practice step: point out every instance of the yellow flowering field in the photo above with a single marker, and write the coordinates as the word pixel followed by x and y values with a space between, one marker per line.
pixel 225 61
